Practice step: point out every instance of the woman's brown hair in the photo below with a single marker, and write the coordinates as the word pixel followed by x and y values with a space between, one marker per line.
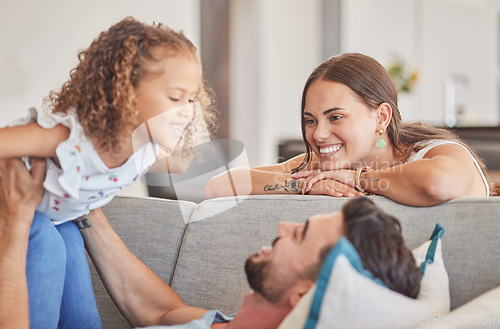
pixel 101 89
pixel 373 86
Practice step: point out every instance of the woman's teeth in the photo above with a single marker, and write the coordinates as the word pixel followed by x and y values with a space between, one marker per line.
pixel 329 149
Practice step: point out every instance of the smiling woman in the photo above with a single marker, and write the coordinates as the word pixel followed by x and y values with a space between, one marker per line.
pixel 357 144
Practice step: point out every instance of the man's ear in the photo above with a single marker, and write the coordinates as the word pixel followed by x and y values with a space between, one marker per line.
pixel 384 115
pixel 299 290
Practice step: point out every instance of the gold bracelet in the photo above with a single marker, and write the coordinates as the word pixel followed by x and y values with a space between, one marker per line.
pixel 357 176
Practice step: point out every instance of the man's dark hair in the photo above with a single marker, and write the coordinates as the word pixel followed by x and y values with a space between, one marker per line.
pixel 377 237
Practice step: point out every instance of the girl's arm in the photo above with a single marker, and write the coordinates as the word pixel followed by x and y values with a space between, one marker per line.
pixel 31 140
pixel 446 172
pixel 142 297
pixel 274 179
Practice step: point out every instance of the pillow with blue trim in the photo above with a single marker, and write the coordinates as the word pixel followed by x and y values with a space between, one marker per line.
pixel 347 296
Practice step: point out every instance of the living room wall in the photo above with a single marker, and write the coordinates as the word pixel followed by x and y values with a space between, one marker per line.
pixel 40 41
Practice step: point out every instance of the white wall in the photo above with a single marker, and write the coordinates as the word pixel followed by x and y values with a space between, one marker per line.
pixel 439 38
pixel 40 41
pixel 379 28
pixel 275 45
pixel 461 38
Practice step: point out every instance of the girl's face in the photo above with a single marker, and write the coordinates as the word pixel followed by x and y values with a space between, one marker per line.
pixel 341 130
pixel 165 101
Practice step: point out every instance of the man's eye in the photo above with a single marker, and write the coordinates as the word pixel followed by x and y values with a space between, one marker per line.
pixel 297 234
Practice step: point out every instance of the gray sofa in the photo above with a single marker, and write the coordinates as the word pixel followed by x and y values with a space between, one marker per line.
pixel 199 249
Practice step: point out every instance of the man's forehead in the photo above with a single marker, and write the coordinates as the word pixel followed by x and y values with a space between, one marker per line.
pixel 324 225
pixel 334 216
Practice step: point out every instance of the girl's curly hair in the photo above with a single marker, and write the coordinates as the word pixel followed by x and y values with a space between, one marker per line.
pixel 101 89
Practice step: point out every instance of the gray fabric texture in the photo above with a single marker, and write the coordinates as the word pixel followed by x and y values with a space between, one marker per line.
pixel 223 232
pixel 210 273
pixel 152 229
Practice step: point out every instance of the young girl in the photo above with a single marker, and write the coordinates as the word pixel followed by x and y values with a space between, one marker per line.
pixel 136 96
pixel 357 143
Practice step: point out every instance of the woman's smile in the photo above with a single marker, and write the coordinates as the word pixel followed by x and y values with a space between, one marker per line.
pixel 329 150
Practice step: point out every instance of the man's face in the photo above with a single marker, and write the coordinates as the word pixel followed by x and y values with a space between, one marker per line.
pixel 274 270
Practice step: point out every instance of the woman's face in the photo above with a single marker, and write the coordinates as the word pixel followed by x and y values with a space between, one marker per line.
pixel 165 101
pixel 341 130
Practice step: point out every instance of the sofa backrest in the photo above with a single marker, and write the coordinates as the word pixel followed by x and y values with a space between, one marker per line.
pixel 203 260
pixel 215 246
pixel 153 230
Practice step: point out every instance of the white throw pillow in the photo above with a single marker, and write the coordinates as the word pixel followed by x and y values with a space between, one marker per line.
pixel 347 296
pixel 482 312
pixel 434 285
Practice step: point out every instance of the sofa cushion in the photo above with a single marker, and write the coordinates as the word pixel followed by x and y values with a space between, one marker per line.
pixel 152 229
pixel 482 312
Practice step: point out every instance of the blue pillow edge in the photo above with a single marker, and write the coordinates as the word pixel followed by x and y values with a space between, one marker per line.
pixel 436 235
pixel 343 247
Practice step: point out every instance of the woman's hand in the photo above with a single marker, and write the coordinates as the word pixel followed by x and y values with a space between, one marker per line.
pixel 337 183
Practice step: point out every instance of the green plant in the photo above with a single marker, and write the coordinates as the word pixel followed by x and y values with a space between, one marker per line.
pixel 404 79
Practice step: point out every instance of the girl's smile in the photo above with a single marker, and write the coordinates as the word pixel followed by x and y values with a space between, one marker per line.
pixel 167 128
pixel 166 100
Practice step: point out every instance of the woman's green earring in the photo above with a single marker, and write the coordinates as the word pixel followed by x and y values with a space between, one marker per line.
pixel 380 143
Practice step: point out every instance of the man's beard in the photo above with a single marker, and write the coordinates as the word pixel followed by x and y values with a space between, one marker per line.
pixel 263 279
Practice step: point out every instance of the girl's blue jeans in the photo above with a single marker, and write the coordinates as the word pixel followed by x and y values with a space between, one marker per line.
pixel 59 286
